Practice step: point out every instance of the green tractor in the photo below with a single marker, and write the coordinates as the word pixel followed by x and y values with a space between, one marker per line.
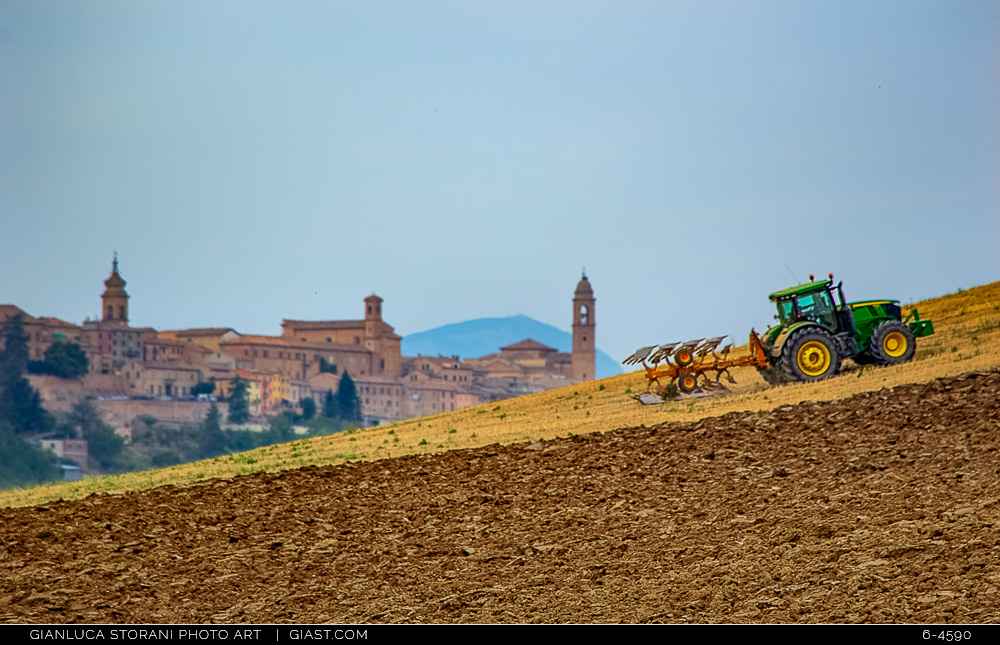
pixel 816 332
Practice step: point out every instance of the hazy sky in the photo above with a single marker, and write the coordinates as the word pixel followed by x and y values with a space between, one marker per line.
pixel 253 161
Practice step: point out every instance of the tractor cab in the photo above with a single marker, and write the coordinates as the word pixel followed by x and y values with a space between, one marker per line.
pixel 813 302
pixel 816 304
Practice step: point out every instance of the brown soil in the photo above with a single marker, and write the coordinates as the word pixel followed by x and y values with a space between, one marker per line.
pixel 879 508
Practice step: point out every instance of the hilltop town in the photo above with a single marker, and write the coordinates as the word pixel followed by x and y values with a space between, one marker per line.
pixel 176 375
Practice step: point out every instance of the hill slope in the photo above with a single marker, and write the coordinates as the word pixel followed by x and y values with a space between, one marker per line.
pixel 475 338
pixel 967 340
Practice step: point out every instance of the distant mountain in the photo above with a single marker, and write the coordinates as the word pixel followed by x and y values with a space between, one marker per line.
pixel 475 338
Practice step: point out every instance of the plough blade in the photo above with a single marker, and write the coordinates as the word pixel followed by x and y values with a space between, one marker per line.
pixel 639 356
pixel 663 352
pixel 708 347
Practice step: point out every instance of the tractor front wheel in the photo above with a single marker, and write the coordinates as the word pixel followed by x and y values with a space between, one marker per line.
pixel 892 343
pixel 810 354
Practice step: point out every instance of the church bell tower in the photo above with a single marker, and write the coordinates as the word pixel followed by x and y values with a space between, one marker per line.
pixel 114 300
pixel 584 349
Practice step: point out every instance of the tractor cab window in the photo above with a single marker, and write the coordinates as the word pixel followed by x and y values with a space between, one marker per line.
pixel 786 310
pixel 817 307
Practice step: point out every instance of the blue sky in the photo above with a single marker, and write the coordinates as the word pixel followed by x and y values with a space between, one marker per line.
pixel 253 161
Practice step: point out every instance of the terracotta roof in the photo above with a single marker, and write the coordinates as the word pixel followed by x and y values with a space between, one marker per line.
pixel 166 341
pixel 9 311
pixel 55 322
pixel 529 344
pixel 308 325
pixel 200 331
pixel 170 366
pixel 376 380
pixel 278 341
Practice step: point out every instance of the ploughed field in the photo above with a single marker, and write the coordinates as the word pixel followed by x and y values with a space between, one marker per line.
pixel 883 507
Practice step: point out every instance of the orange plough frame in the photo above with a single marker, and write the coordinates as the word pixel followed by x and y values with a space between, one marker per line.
pixel 690 364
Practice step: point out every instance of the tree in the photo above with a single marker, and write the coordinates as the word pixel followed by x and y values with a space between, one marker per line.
pixel 104 446
pixel 308 408
pixel 15 348
pixel 348 405
pixel 213 440
pixel 66 360
pixel 20 404
pixel 239 401
pixel 84 417
pixel 330 405
pixel 22 463
pixel 205 387
pixel 280 429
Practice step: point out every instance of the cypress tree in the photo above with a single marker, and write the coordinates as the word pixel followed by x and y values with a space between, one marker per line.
pixel 330 405
pixel 15 348
pixel 239 401
pixel 347 400
pixel 213 439
pixel 20 404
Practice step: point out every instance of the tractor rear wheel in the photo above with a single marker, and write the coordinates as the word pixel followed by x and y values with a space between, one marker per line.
pixel 810 354
pixel 892 343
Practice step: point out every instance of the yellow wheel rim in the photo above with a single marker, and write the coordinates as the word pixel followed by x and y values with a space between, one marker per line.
pixel 684 357
pixel 814 358
pixel 894 345
pixel 688 382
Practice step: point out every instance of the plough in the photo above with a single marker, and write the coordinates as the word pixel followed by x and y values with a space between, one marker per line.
pixel 692 365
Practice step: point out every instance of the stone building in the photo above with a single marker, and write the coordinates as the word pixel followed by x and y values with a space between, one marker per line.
pixel 41 332
pixel 370 334
pixel 209 337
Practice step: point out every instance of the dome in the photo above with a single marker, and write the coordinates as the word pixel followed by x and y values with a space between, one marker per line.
pixel 115 285
pixel 583 287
